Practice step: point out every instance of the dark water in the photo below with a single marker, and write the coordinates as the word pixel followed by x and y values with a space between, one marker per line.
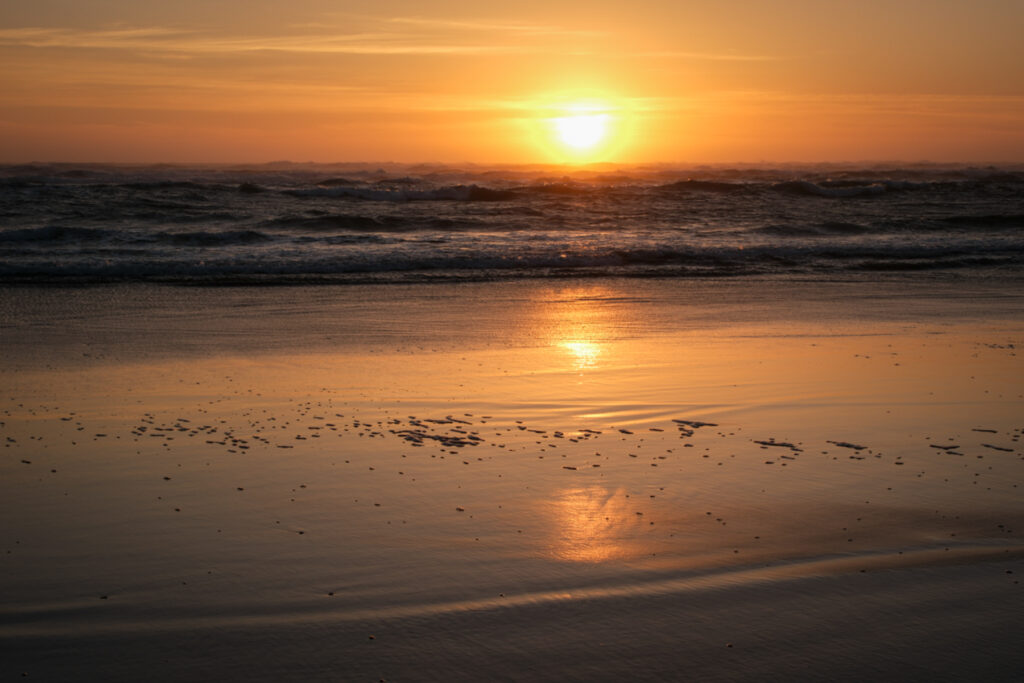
pixel 289 223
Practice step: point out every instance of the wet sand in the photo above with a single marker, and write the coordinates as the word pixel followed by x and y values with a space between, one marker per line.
pixel 653 480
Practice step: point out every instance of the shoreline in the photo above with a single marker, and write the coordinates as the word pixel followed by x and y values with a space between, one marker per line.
pixel 589 478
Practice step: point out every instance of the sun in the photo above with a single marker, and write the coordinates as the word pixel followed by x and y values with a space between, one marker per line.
pixel 570 129
pixel 582 131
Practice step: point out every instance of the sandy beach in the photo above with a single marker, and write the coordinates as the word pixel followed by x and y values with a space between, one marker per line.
pixel 616 479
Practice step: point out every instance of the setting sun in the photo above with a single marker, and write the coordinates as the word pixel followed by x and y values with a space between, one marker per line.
pixel 582 131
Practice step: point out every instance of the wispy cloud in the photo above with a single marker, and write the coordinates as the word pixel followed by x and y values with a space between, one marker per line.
pixel 62 37
pixel 337 34
pixel 838 104
pixel 712 56
pixel 155 39
pixel 520 28
pixel 321 39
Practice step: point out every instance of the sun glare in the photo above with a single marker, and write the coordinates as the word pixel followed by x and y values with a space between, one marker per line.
pixel 582 131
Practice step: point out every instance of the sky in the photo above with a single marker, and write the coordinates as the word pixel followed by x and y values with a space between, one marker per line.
pixel 501 82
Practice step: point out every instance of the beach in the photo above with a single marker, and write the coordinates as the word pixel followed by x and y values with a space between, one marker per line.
pixel 530 343
pixel 556 479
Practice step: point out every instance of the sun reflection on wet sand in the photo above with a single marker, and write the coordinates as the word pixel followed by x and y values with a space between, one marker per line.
pixel 543 461
pixel 591 524
pixel 582 322
pixel 585 354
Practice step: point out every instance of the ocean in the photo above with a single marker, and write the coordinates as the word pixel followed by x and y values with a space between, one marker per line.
pixel 286 223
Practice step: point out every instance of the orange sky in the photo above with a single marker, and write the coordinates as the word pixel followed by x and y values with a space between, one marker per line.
pixel 395 80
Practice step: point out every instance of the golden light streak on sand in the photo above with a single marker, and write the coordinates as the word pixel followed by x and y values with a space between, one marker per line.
pixel 580 323
pixel 584 353
pixel 591 524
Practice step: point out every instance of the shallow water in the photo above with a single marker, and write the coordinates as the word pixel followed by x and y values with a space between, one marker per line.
pixel 511 481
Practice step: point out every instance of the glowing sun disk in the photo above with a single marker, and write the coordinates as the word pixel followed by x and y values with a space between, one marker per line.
pixel 582 130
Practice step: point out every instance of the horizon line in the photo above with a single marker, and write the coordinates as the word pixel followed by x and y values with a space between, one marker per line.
pixel 568 164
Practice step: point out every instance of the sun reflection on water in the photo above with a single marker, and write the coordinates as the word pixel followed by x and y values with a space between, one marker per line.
pixel 585 354
pixel 581 322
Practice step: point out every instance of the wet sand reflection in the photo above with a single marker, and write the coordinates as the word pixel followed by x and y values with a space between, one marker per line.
pixel 593 524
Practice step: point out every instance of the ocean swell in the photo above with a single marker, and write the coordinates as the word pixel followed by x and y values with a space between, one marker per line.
pixel 294 223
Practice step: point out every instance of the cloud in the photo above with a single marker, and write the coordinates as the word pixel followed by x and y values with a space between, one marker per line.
pixel 422 37
pixel 511 27
pixel 62 37
pixel 712 56
pixel 336 34
pixel 156 39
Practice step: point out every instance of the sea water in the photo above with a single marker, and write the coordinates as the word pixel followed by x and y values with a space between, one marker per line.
pixel 292 223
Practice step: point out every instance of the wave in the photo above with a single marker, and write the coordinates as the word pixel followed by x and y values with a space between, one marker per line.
pixel 361 238
pixel 160 185
pixel 826 229
pixel 703 186
pixel 55 233
pixel 1000 221
pixel 334 182
pixel 329 222
pixel 500 189
pixel 373 257
pixel 830 188
pixel 1000 178
pixel 913 264
pixel 209 239
pixel 904 226
pixel 385 224
pixel 805 187
pixel 555 189
pixel 463 193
